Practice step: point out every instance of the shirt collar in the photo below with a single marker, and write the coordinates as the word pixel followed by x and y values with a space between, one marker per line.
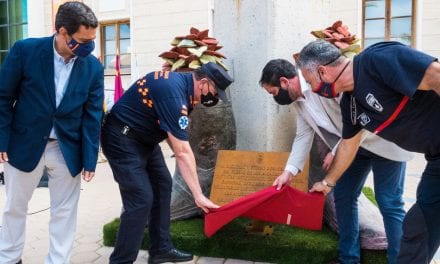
pixel 190 87
pixel 58 57
pixel 305 87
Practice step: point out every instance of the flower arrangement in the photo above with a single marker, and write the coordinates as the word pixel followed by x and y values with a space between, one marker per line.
pixel 189 52
pixel 339 35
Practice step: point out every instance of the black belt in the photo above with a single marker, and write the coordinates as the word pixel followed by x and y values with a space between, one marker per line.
pixel 126 130
pixel 52 139
pixel 121 126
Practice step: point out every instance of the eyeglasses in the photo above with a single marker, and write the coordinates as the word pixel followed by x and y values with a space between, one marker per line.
pixel 331 61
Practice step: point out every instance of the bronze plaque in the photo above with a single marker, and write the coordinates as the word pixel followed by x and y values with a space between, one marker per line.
pixel 238 173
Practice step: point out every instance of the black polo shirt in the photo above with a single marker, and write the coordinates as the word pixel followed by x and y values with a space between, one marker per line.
pixel 385 99
pixel 156 104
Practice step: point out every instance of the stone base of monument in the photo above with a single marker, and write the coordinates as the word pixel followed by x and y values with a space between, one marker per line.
pixel 259 228
pixel 210 129
pixel 286 245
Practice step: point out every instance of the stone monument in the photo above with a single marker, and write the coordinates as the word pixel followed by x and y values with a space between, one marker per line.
pixel 210 129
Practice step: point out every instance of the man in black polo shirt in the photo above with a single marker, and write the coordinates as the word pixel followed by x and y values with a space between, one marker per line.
pixel 155 108
pixel 393 91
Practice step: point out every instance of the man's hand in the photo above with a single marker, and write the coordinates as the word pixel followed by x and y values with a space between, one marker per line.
pixel 88 175
pixel 327 162
pixel 204 203
pixel 320 187
pixel 284 178
pixel 3 157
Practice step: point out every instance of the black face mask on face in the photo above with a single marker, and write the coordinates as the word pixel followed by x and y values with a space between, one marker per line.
pixel 209 99
pixel 282 98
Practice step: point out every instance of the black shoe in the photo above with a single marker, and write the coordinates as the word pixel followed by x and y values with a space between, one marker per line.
pixel 173 255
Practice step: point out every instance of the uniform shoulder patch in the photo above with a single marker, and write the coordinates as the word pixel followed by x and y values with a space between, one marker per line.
pixel 183 122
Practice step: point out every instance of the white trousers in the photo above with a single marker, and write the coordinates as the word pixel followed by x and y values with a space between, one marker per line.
pixel 64 195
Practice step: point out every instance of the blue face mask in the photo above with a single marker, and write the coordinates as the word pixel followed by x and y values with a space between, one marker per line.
pixel 81 49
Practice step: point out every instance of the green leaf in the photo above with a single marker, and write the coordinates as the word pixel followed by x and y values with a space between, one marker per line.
pixel 179 63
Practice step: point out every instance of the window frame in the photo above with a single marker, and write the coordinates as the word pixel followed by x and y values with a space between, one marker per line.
pixel 116 23
pixel 8 25
pixel 388 18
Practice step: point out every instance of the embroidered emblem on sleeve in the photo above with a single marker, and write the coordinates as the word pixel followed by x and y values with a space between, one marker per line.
pixel 373 102
pixel 183 122
pixel 364 119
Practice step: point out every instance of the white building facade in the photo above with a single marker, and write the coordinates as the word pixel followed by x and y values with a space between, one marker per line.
pixel 251 31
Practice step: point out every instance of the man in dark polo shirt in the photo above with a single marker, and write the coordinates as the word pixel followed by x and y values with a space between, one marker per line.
pixel 155 108
pixel 392 91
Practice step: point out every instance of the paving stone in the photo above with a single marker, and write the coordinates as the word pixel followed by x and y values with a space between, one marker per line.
pixel 104 251
pixel 209 260
pixel 101 260
pixel 238 261
pixel 89 247
pixel 84 257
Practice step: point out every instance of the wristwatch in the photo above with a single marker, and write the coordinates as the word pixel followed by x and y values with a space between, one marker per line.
pixel 325 183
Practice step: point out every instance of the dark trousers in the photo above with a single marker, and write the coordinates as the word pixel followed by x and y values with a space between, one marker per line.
pixel 145 185
pixel 421 226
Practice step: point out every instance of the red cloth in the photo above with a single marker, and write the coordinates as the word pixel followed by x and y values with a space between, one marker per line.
pixel 118 81
pixel 286 206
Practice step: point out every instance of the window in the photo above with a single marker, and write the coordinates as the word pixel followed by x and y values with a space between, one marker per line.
pixel 115 36
pixel 386 20
pixel 13 24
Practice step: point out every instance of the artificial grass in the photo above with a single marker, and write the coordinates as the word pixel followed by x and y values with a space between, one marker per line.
pixel 369 193
pixel 285 245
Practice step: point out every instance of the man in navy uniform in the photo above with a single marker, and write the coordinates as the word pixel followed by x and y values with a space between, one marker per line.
pixel 392 91
pixel 155 108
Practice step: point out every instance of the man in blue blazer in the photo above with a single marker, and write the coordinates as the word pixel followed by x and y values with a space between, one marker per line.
pixel 51 99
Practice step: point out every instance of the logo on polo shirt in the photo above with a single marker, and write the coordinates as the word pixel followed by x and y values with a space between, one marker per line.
pixel 183 122
pixel 364 119
pixel 373 102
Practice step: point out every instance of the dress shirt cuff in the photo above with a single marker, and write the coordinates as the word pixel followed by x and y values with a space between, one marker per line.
pixel 292 169
pixel 336 147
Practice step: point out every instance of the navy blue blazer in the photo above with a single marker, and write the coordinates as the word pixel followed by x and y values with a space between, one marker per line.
pixel 28 110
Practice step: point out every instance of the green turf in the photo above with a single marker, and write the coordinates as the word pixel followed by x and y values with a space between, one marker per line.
pixel 286 245
pixel 369 193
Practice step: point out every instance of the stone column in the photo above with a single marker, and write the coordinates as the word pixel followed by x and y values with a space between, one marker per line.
pixel 252 33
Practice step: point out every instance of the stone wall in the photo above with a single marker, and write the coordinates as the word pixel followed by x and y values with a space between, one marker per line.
pixel 430 27
pixel 155 22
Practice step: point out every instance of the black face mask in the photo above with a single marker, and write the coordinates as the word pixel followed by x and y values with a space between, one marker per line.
pixel 209 99
pixel 282 97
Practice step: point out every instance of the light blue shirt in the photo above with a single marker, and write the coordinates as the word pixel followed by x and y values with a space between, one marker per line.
pixel 62 71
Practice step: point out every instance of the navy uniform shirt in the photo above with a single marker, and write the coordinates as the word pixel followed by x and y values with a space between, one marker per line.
pixel 385 99
pixel 156 104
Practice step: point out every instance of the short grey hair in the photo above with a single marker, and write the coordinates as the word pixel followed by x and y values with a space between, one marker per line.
pixel 318 52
